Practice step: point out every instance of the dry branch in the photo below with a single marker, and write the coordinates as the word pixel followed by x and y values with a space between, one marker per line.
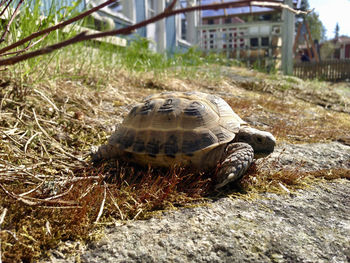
pixel 128 30
pixel 2 217
pixel 37 201
pixel 14 14
pixel 102 204
pixel 55 27
pixel 278 5
pixel 47 99
pixel 29 46
pixel 6 7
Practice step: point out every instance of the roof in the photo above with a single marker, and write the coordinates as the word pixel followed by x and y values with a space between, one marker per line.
pixel 235 11
pixel 339 40
pixel 343 39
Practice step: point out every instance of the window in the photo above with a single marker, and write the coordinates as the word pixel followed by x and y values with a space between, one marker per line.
pixel 254 42
pixel 210 21
pixel 228 20
pixel 212 40
pixel 151 8
pixel 183 27
pixel 114 7
pixel 265 41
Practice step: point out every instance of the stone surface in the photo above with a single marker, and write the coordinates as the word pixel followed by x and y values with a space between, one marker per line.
pixel 311 225
pixel 311 157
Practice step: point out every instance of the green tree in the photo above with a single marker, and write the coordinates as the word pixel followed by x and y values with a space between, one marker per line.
pixel 336 31
pixel 327 50
pixel 318 31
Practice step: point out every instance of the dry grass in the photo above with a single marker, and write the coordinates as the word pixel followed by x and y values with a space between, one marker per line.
pixel 50 193
pixel 264 177
pixel 291 120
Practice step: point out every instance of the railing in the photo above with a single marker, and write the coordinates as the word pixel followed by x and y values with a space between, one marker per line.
pixel 332 70
pixel 243 41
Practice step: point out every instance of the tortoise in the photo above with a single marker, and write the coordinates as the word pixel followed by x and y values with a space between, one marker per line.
pixel 192 129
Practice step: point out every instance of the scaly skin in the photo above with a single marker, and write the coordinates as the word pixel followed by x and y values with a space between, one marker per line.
pixel 105 152
pixel 238 157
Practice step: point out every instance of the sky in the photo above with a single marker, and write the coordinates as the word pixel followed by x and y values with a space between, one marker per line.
pixel 331 12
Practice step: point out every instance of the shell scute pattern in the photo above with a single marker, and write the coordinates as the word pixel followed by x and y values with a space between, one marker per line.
pixel 170 105
pixel 169 126
pixel 221 134
pixel 147 107
pixel 152 147
pixel 125 137
pixel 194 141
pixel 171 145
pixel 139 145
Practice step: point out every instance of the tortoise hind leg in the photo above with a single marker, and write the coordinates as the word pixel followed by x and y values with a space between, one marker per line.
pixel 236 160
pixel 104 152
pixel 107 151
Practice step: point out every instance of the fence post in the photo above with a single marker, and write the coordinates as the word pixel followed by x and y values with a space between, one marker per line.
pixel 287 39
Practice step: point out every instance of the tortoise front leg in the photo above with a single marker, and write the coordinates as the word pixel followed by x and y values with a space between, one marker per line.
pixel 236 160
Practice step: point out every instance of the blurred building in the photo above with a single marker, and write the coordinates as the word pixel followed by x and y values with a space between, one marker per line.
pixel 174 33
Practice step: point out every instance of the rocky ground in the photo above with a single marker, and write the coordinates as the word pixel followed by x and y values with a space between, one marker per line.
pixel 308 225
pixel 311 224
pixel 51 196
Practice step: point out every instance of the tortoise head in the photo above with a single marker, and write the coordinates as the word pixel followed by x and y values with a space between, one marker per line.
pixel 262 142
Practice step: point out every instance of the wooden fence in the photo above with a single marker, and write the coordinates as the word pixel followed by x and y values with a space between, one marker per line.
pixel 332 70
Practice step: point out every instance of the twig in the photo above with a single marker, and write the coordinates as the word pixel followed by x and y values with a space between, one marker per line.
pixel 116 204
pixel 41 128
pixel 28 142
pixel 27 202
pixel 47 99
pixel 170 7
pixel 26 48
pixel 283 187
pixel 102 204
pixel 36 201
pixel 54 142
pixel 7 29
pixel 138 213
pixel 8 136
pixel 45 150
pixel 6 7
pixel 32 190
pixel 90 188
pixel 280 5
pixel 2 218
pixel 60 195
pixel 55 27
pixel 77 179
pixel 48 227
pixel 24 170
pixel 23 134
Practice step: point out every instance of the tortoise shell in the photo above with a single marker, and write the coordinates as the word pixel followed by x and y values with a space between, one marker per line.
pixel 176 127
